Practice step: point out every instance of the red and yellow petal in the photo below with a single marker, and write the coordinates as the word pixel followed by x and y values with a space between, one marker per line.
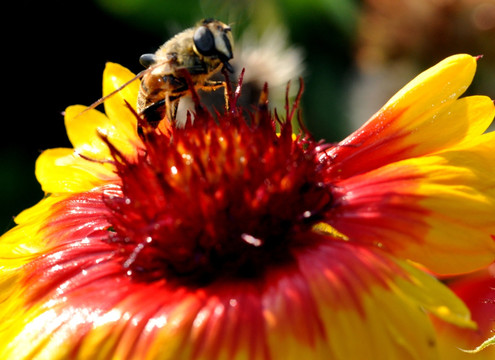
pixel 19 247
pixel 435 210
pixel 20 244
pixel 359 295
pixel 422 118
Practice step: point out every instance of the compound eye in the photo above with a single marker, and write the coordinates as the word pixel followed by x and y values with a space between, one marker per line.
pixel 147 60
pixel 204 41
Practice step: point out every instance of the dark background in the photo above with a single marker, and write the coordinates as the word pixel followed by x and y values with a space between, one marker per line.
pixel 56 52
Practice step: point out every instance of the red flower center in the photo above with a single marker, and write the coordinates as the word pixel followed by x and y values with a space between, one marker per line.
pixel 219 198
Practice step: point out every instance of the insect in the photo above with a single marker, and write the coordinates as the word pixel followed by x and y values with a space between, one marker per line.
pixel 201 51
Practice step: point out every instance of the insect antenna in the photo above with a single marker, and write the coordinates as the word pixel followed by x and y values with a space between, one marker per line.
pixel 102 99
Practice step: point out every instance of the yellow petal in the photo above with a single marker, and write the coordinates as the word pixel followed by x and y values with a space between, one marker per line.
pixel 434 297
pixel 34 324
pixel 11 309
pixel 116 106
pixel 61 170
pixel 460 195
pixel 435 87
pixel 19 244
pixel 422 118
pixel 460 120
pixel 84 129
pixel 17 248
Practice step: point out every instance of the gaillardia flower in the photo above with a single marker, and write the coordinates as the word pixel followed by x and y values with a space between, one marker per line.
pixel 232 238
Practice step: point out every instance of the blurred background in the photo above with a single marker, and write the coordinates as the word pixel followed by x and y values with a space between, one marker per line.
pixel 352 54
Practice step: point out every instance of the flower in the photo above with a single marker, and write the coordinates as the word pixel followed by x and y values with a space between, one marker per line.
pixel 226 239
pixel 423 30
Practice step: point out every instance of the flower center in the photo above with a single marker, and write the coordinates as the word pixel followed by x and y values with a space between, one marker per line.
pixel 216 199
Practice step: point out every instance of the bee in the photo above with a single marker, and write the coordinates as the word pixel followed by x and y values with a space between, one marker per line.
pixel 201 51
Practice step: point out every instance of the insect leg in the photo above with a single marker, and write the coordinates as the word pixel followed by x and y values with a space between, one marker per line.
pixel 171 105
pixel 211 85
pixel 154 113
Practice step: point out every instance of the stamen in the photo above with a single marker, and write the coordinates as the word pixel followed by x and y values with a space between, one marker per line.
pixel 216 196
pixel 251 240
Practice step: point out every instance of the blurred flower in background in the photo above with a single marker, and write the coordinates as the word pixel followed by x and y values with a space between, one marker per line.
pixel 423 30
pixel 396 38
